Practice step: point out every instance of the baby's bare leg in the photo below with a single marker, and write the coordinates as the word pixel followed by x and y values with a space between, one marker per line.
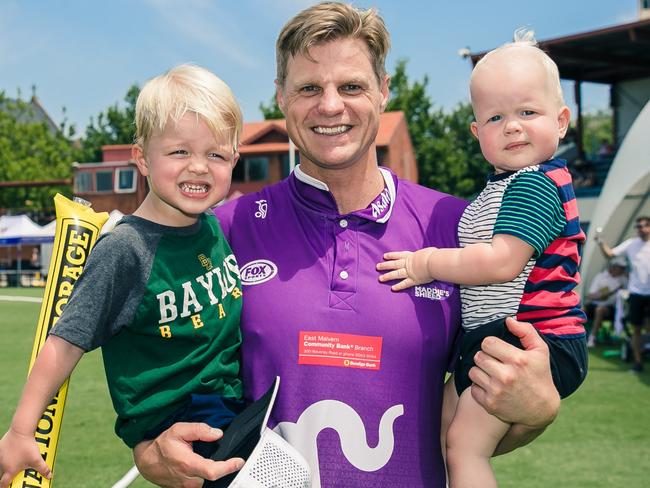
pixel 471 440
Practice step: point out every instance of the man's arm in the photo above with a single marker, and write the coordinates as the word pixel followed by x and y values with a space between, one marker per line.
pixel 169 461
pixel 604 247
pixel 516 385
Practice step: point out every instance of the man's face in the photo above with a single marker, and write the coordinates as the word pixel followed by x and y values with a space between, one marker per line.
pixel 642 228
pixel 332 104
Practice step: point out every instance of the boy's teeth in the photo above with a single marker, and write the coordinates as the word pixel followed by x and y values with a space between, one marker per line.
pixel 331 130
pixel 194 188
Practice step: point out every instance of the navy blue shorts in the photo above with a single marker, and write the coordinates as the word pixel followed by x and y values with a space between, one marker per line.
pixel 639 309
pixel 568 356
pixel 211 409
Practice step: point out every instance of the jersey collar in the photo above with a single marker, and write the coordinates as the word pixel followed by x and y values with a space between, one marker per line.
pixel 316 195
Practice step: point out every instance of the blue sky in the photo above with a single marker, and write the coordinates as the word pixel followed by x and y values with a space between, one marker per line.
pixel 83 55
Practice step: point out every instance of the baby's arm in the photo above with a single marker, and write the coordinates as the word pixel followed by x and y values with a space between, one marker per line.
pixel 475 264
pixel 18 448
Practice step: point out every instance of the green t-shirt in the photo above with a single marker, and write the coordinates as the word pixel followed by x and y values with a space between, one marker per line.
pixel 164 303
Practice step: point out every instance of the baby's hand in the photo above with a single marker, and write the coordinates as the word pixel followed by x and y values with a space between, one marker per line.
pixel 19 452
pixel 409 267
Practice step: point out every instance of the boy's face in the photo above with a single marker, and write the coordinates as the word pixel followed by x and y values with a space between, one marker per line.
pixel 188 170
pixel 519 119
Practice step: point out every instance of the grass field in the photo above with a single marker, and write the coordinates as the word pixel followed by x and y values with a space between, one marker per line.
pixel 600 439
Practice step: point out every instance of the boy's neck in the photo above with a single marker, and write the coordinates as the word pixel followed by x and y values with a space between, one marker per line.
pixel 150 210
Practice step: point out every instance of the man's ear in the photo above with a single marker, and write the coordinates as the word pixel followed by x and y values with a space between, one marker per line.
pixel 385 92
pixel 473 127
pixel 137 154
pixel 563 120
pixel 279 97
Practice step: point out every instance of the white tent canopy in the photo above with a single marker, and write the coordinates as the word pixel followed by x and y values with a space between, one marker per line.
pixel 20 229
pixel 624 197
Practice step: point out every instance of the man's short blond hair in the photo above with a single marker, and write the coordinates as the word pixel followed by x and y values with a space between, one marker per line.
pixel 329 21
pixel 524 42
pixel 187 88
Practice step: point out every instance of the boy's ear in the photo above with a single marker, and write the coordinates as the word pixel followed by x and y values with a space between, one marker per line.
pixel 137 154
pixel 473 127
pixel 563 120
pixel 235 158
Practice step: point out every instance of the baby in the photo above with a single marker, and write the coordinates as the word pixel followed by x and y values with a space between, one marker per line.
pixel 520 243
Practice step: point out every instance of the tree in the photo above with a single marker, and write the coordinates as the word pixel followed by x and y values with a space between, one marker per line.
pixel 272 110
pixel 31 151
pixel 597 128
pixel 448 157
pixel 116 126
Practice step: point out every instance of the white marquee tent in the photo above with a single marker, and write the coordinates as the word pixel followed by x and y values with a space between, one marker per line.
pixel 624 197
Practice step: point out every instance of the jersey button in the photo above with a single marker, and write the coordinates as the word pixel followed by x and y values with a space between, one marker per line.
pixel 343 223
pixel 344 275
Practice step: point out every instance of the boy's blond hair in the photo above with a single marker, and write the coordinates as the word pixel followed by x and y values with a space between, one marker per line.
pixel 329 21
pixel 524 42
pixel 187 88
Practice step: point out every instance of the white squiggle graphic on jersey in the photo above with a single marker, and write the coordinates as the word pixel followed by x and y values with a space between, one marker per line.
pixel 352 433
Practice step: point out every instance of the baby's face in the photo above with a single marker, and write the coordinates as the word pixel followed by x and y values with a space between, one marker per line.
pixel 519 116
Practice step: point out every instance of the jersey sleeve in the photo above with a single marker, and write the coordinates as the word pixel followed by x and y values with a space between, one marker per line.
pixel 105 297
pixel 532 211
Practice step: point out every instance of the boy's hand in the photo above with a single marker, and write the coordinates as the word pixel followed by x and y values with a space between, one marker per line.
pixel 19 452
pixel 409 267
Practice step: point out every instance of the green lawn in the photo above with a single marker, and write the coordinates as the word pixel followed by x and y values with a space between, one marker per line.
pixel 89 453
pixel 600 439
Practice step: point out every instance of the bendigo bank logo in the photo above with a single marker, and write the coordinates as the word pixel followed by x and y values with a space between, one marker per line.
pixel 258 271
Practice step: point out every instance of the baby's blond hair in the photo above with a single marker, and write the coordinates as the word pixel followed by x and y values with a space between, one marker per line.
pixel 524 42
pixel 187 88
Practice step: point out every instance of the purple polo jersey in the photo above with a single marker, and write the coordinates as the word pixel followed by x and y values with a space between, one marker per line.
pixel 362 367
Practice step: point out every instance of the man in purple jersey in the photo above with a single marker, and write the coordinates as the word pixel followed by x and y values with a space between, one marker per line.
pixel 362 368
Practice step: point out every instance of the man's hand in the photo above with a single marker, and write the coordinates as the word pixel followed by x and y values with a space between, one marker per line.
pixel 411 268
pixel 516 385
pixel 169 461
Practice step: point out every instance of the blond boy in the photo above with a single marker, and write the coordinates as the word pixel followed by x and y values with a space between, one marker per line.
pixel 160 293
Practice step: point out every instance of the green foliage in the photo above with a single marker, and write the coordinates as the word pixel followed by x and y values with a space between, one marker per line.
pixel 31 151
pixel 115 126
pixel 597 127
pixel 272 110
pixel 448 157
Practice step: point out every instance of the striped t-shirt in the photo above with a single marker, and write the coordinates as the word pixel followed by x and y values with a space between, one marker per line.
pixel 537 205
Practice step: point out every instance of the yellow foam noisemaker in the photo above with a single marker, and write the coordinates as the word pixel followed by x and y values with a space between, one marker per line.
pixel 77 230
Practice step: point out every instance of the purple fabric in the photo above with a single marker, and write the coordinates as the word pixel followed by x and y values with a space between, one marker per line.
pixel 291 247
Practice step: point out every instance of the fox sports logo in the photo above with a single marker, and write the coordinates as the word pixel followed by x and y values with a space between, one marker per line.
pixel 258 271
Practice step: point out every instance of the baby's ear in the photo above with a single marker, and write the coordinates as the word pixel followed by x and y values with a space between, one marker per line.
pixel 473 127
pixel 563 120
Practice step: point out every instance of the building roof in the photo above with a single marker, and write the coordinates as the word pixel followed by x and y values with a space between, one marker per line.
pixel 37 112
pixel 608 55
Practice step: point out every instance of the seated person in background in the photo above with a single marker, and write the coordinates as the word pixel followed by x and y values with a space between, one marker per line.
pixel 600 300
pixel 606 148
